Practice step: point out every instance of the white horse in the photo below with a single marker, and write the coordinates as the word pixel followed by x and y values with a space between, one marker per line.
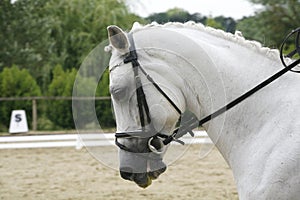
pixel 201 69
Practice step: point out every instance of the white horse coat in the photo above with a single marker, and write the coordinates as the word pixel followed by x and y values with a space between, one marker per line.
pixel 202 69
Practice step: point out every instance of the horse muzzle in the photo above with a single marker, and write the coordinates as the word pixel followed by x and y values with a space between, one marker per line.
pixel 141 168
pixel 142 179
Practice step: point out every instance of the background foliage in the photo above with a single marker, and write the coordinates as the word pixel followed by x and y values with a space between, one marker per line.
pixel 44 42
pixel 270 24
pixel 16 82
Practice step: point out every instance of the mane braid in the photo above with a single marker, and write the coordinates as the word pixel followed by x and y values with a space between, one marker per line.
pixel 236 38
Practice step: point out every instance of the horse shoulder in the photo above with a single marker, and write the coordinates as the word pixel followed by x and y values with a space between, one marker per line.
pixel 280 177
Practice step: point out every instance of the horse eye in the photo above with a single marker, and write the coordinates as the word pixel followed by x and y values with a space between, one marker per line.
pixel 118 93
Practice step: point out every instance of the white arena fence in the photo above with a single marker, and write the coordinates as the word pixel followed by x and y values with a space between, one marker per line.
pixel 79 140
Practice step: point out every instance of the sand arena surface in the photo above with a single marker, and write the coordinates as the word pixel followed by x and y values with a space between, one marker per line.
pixel 66 173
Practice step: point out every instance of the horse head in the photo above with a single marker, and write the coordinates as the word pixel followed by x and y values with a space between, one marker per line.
pixel 146 108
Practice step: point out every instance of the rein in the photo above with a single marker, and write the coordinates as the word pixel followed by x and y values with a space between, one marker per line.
pixel 157 141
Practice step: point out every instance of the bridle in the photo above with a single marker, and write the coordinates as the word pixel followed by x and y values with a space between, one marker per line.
pixel 157 141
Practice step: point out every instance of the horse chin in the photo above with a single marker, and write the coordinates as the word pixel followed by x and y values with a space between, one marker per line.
pixel 143 180
pixel 141 168
pixel 160 167
pixel 146 178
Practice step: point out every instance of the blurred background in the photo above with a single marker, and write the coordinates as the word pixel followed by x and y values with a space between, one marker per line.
pixel 44 42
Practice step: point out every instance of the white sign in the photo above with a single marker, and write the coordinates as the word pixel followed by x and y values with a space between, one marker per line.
pixel 18 122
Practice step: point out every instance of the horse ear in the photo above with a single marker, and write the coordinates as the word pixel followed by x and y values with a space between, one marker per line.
pixel 118 39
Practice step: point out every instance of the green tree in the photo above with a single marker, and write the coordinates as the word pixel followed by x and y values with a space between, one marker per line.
pixel 228 24
pixel 87 113
pixel 40 34
pixel 78 26
pixel 15 82
pixel 213 23
pixel 179 15
pixel 93 80
pixel 176 15
pixel 272 22
pixel 60 111
pixel 103 108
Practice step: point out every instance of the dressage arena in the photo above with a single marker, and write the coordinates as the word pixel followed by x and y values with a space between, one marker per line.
pixel 67 173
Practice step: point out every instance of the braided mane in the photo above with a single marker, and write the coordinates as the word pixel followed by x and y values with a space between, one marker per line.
pixel 236 38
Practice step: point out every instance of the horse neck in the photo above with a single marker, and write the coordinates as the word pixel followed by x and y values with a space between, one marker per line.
pixel 213 72
pixel 222 71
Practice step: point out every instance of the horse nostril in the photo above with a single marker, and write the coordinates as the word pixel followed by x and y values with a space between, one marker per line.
pixel 126 173
pixel 155 174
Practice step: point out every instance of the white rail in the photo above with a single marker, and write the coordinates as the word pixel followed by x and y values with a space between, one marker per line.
pixel 77 140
